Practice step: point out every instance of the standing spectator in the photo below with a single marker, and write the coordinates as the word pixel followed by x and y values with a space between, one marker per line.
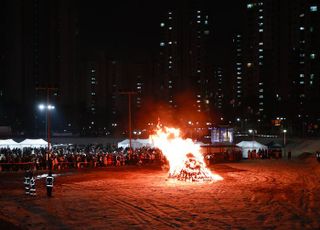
pixel 289 155
pixel 318 155
pixel 27 182
pixel 49 184
pixel 32 185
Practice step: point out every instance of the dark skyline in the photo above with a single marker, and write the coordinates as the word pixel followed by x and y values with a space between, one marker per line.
pixel 131 28
pixel 252 59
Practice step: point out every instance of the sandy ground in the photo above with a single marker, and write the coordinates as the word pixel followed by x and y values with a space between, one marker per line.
pixel 261 194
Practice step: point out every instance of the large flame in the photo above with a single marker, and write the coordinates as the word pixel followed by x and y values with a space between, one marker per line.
pixel 183 155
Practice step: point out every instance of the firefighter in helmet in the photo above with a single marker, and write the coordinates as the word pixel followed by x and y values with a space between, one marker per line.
pixel 49 184
pixel 27 182
pixel 32 184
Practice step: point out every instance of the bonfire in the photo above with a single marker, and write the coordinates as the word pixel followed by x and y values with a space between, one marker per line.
pixel 184 157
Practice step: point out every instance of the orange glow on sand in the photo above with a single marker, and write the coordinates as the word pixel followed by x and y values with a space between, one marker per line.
pixel 185 159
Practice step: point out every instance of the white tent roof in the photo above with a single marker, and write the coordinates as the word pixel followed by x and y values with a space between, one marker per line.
pixel 135 143
pixel 249 146
pixel 9 143
pixel 34 143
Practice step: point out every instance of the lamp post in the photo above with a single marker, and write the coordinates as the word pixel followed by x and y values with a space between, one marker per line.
pixel 129 93
pixel 251 131
pixel 48 108
pixel 284 137
pixel 284 141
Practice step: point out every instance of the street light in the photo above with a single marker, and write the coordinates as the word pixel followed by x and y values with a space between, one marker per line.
pixel 47 108
pixel 284 137
pixel 251 131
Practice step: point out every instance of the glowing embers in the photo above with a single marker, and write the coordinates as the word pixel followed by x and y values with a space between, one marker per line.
pixel 184 157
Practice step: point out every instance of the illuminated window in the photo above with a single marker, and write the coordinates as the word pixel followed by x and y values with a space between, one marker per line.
pixel 260 30
pixel 162 24
pixel 312 56
pixel 301 28
pixel 161 43
pixel 313 8
pixel 301 75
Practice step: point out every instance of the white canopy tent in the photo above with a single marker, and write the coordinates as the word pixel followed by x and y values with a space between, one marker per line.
pixel 33 143
pixel 135 143
pixel 250 146
pixel 9 143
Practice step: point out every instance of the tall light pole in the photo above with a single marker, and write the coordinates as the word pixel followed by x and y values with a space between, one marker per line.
pixel 251 131
pixel 129 93
pixel 48 107
pixel 284 137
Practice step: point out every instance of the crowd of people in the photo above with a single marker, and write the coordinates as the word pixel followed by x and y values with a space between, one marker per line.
pixel 76 157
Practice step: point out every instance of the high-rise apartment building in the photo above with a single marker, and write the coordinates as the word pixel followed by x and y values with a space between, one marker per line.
pixel 183 66
pixel 305 69
pixel 237 73
pixel 281 48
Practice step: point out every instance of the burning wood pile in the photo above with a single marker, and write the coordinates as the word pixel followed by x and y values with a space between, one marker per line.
pixel 185 159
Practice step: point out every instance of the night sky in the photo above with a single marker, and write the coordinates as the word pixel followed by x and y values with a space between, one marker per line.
pixel 130 29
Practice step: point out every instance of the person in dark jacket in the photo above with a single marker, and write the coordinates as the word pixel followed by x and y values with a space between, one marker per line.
pixel 49 184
